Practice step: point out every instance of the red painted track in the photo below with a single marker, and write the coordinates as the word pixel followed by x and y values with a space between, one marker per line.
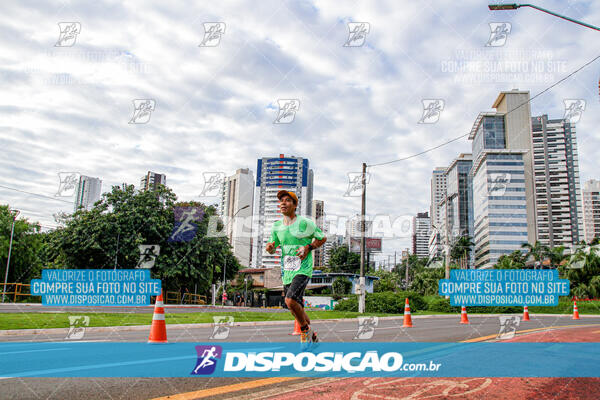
pixel 466 388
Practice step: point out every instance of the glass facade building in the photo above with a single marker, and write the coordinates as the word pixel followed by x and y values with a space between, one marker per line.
pixel 272 175
pixel 499 199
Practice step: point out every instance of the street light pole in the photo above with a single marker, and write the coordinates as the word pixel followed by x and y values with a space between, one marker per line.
pixel 514 6
pixel 246 291
pixel 12 231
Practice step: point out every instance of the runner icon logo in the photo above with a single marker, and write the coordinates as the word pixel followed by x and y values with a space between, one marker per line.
pixel 366 327
pixel 221 327
pixel 77 325
pixel 207 359
pixel 508 327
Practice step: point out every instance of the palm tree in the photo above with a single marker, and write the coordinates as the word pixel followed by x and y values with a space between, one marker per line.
pixel 557 255
pixel 538 251
pixel 461 249
pixel 583 271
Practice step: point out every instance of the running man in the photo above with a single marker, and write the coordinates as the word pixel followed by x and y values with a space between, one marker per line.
pixel 297 236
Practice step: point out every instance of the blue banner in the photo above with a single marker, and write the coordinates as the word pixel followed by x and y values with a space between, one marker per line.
pixel 503 287
pixel 95 287
pixel 222 359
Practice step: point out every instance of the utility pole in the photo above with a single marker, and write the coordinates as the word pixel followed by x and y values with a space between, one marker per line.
pixel 406 274
pixel 361 281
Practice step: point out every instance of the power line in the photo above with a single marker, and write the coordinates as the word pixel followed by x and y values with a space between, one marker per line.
pixel 35 194
pixel 517 107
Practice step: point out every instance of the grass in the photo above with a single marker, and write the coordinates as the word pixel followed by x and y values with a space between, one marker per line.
pixel 61 320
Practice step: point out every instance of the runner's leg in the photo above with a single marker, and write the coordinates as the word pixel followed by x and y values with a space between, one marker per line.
pixel 297 311
pixel 294 299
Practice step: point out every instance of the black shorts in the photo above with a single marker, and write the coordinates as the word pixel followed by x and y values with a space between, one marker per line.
pixel 295 290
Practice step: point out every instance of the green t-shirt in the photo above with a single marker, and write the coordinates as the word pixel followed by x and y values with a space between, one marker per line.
pixel 291 238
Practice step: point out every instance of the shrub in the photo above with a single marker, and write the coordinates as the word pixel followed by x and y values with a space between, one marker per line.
pixel 384 302
pixel 441 304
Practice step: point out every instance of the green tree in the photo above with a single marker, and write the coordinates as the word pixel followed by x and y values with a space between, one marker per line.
pixel 583 271
pixel 425 281
pixel 461 249
pixel 26 258
pixel 537 251
pixel 387 282
pixel 341 285
pixel 414 265
pixel 341 259
pixel 514 260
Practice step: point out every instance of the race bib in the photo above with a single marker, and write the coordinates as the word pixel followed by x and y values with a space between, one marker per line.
pixel 291 263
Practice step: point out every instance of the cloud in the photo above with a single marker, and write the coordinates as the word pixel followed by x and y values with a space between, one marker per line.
pixel 67 109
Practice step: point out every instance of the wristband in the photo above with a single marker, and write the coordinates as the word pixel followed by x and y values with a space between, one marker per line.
pixel 310 246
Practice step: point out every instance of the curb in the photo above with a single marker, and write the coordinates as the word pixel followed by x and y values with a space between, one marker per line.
pixel 24 332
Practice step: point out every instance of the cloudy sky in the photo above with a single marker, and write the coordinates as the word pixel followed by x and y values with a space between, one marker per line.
pixel 67 107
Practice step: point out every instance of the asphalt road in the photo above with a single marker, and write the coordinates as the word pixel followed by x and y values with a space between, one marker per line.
pixel 425 329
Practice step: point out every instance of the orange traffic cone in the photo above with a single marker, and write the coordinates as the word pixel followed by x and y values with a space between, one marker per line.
pixel 296 328
pixel 575 310
pixel 158 331
pixel 464 319
pixel 407 317
pixel 525 314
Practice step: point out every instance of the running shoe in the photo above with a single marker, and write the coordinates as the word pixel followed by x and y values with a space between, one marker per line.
pixel 308 339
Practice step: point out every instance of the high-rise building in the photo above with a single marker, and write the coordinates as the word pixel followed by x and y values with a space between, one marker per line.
pixel 459 197
pixel 557 189
pixel 152 180
pixel 437 212
pixel 591 209
pixel 237 196
pixel 88 192
pixel 457 207
pixel 420 236
pixel 272 175
pixel 353 228
pixel 332 241
pixel 503 191
pixel 438 194
pixel 318 213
